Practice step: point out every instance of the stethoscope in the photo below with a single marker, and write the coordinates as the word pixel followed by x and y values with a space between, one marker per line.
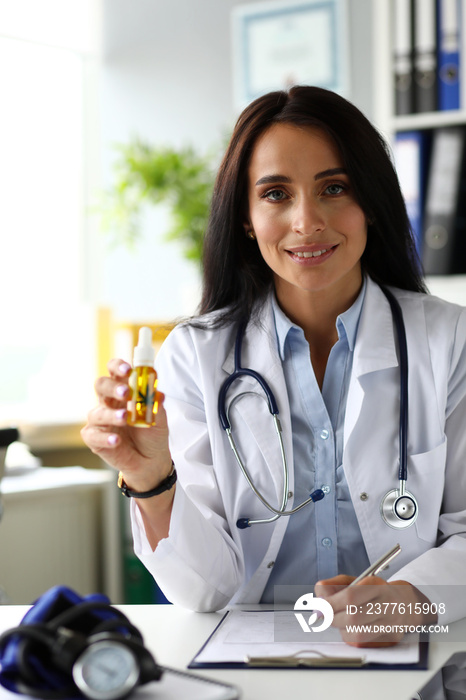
pixel 398 507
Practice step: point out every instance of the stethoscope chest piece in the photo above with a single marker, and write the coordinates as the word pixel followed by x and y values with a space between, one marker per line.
pixel 399 510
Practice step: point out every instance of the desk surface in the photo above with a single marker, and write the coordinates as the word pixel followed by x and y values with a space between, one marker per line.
pixel 174 636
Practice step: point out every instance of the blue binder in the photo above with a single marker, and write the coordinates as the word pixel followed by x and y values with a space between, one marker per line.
pixel 449 23
pixel 411 151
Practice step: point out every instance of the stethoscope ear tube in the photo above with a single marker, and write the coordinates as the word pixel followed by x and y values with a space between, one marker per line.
pixel 236 374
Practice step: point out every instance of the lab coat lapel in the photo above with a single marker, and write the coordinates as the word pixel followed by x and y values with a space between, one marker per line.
pixel 375 350
pixel 371 421
pixel 260 353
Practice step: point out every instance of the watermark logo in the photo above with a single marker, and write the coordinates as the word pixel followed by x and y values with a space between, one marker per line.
pixel 306 603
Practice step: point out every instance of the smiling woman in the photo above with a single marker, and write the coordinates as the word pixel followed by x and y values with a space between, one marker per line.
pixel 309 227
pixel 310 230
pixel 309 271
pixel 236 276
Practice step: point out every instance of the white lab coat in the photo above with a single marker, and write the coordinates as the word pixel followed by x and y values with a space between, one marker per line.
pixel 207 562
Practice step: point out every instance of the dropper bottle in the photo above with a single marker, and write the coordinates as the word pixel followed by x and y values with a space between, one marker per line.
pixel 143 403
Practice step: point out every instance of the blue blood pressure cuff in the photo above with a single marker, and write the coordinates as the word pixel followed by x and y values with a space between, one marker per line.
pixel 37 657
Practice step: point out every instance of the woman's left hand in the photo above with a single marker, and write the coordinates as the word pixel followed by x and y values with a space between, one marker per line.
pixel 374 613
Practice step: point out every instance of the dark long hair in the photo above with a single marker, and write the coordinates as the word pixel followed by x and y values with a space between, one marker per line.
pixel 235 274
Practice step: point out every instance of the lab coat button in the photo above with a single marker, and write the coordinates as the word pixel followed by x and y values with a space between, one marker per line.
pixel 363 496
pixel 324 434
pixel 290 494
pixel 270 564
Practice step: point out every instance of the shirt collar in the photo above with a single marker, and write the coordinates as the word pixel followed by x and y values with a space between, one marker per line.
pixel 346 323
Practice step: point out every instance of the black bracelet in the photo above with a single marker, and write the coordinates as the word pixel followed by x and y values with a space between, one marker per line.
pixel 164 485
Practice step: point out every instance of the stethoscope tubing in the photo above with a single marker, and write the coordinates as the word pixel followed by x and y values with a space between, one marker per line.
pixel 236 374
pixel 403 350
pixel 315 496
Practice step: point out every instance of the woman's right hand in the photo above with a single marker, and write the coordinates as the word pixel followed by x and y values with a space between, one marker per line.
pixel 141 454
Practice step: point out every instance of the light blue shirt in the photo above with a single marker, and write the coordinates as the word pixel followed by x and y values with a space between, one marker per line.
pixel 322 539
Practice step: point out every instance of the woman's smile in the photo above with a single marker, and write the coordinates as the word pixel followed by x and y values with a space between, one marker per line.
pixel 311 255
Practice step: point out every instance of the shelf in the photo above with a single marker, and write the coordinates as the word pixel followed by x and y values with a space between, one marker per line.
pixel 449 287
pixel 384 99
pixel 428 120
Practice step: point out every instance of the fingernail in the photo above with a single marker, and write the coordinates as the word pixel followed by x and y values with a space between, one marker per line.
pixel 121 391
pixel 120 414
pixel 124 368
pixel 112 439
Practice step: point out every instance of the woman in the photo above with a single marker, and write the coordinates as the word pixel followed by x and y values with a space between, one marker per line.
pixel 307 222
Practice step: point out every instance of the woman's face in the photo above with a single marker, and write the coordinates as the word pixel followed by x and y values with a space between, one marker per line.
pixel 309 227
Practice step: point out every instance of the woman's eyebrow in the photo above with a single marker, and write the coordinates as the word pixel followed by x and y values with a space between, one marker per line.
pixel 269 179
pixel 330 172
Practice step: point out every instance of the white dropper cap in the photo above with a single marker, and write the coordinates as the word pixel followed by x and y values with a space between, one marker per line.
pixel 144 352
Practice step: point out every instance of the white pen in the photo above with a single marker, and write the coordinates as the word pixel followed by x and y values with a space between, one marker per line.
pixel 378 565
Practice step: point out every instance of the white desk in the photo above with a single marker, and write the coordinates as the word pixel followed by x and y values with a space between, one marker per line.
pixel 174 636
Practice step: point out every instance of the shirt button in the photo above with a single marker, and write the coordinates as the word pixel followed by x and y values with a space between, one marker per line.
pixel 327 542
pixel 324 434
pixel 326 488
pixel 363 496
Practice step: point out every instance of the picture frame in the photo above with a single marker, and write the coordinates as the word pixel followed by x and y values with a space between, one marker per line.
pixel 288 42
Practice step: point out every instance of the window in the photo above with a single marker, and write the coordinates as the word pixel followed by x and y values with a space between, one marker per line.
pixel 46 339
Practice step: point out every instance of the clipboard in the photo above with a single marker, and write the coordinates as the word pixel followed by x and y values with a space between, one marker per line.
pixel 219 652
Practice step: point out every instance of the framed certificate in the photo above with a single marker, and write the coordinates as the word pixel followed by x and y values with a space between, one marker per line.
pixel 280 44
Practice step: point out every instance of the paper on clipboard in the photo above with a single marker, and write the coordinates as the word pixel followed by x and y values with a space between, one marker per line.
pixel 244 636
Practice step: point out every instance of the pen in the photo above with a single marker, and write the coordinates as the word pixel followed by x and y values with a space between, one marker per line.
pixel 378 565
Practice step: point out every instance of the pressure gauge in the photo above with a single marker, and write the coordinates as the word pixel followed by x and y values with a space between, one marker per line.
pixel 106 670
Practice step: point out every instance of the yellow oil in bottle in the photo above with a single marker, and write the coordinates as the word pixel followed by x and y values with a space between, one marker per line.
pixel 143 402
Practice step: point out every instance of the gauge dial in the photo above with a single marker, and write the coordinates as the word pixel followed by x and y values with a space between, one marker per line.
pixel 106 670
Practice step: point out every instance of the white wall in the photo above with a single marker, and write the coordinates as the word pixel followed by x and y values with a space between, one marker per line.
pixel 167 78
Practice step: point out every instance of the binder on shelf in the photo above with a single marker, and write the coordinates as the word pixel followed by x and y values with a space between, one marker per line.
pixel 449 12
pixel 444 245
pixel 403 56
pixel 425 56
pixel 462 52
pixel 411 151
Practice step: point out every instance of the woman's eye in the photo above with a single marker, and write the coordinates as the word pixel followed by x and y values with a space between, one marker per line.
pixel 275 195
pixel 335 188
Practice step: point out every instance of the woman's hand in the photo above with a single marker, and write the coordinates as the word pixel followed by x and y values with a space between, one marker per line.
pixel 141 454
pixel 384 609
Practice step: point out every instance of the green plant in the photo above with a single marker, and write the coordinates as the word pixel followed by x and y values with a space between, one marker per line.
pixel 182 178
